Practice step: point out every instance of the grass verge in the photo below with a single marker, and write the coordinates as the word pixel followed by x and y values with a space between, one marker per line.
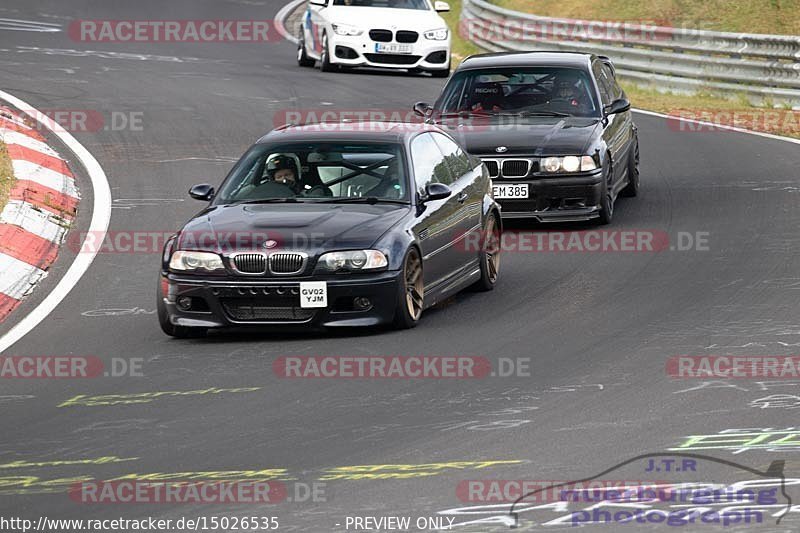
pixel 461 47
pixel 751 16
pixel 6 175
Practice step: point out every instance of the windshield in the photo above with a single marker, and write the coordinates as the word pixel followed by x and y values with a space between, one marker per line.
pixel 396 4
pixel 531 91
pixel 317 171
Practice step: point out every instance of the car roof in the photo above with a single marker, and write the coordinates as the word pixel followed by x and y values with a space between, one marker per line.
pixel 528 59
pixel 355 130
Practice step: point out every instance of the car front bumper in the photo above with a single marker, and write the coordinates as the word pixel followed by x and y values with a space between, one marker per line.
pixel 360 51
pixel 565 199
pixel 219 303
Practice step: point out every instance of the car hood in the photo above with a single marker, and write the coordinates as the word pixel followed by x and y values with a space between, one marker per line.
pixel 312 228
pixel 368 18
pixel 531 136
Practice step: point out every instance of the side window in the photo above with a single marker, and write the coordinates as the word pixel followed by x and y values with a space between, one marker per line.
pixel 602 83
pixel 616 91
pixel 429 163
pixel 454 156
pixel 452 96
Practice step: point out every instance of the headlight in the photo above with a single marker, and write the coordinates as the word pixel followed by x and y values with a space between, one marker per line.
pixel 346 29
pixel 570 163
pixel 437 35
pixel 588 163
pixel 551 164
pixel 196 261
pixel 358 260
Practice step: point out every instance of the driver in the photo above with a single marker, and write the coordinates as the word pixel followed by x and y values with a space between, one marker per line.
pixel 565 88
pixel 283 170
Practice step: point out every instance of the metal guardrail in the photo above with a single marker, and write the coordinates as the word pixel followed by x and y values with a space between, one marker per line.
pixel 764 68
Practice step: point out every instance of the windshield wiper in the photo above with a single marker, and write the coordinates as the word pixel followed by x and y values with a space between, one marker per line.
pixel 289 200
pixel 542 114
pixel 452 114
pixel 363 200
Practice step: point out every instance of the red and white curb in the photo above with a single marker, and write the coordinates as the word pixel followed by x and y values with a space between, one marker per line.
pixel 41 207
pixel 280 20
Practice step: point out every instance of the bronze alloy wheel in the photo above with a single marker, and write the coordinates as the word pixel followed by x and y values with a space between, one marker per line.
pixel 412 274
pixel 491 249
pixel 489 254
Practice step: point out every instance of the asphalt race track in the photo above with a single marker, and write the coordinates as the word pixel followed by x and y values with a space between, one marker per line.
pixel 598 327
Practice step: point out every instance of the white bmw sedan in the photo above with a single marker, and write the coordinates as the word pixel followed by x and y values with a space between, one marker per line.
pixel 398 34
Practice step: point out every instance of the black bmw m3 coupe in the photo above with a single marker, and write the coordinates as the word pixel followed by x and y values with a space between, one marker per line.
pixel 554 128
pixel 354 224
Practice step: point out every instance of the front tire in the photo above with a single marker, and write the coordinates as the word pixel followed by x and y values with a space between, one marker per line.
pixel 606 200
pixel 410 298
pixel 489 255
pixel 302 57
pixel 632 189
pixel 179 332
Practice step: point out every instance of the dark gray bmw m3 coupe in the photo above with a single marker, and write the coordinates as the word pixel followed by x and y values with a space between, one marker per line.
pixel 353 224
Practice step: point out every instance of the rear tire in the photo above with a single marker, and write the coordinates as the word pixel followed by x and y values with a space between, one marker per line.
pixel 325 64
pixel 302 57
pixel 179 332
pixel 489 255
pixel 632 189
pixel 410 297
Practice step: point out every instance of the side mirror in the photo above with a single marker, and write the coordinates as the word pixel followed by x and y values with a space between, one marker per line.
pixel 436 191
pixel 204 192
pixel 422 109
pixel 441 7
pixel 322 3
pixel 617 106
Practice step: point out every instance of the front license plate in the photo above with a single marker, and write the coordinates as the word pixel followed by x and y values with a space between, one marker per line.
pixel 313 294
pixel 510 190
pixel 392 48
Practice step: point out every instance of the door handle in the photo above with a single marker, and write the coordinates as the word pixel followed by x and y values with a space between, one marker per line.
pixel 462 197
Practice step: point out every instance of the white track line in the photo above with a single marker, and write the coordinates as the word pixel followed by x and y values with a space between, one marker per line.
pixel 720 126
pixel 280 18
pixel 101 217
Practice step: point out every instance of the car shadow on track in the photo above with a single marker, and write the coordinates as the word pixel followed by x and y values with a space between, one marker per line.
pixel 255 334
pixel 370 71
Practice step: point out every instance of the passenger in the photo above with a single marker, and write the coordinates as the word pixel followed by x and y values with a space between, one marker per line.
pixel 568 87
